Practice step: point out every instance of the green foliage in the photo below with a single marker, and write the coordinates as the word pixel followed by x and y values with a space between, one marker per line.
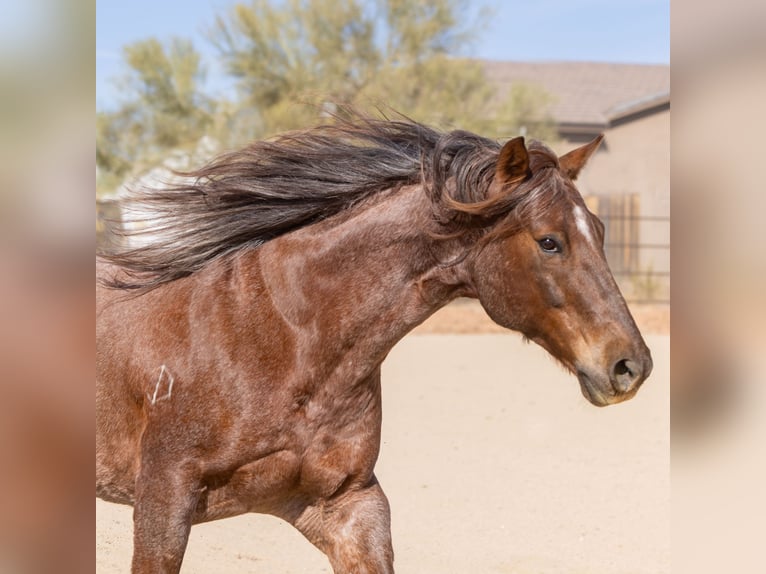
pixel 416 31
pixel 393 54
pixel 286 55
pixel 292 60
pixel 163 108
pixel 165 83
pixel 525 110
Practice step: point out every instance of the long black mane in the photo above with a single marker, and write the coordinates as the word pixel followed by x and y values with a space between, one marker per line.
pixel 247 197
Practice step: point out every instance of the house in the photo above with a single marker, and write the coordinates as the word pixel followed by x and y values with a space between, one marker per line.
pixel 627 182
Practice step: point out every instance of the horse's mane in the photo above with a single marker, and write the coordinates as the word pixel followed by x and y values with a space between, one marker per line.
pixel 246 197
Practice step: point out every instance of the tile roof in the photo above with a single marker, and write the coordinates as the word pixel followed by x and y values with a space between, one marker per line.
pixel 586 92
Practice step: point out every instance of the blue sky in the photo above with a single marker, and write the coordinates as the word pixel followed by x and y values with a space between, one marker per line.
pixel 636 31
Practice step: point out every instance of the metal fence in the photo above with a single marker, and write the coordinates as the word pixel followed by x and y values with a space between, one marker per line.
pixel 637 247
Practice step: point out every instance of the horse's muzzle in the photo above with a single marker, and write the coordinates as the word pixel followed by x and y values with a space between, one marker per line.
pixel 620 383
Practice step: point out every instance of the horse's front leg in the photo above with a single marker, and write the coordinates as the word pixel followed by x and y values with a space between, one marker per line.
pixel 166 498
pixel 353 529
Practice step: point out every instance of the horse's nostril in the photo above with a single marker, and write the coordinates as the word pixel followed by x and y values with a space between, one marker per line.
pixel 622 368
pixel 625 374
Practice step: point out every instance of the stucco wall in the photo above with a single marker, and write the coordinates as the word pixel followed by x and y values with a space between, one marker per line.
pixel 635 160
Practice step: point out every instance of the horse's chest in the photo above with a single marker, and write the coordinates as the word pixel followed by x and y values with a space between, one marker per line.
pixel 331 463
pixel 343 441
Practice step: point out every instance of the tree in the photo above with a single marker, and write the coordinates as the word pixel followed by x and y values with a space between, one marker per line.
pixel 396 54
pixel 164 108
pixel 294 58
pixel 285 54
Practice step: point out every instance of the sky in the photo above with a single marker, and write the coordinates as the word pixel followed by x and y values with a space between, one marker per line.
pixel 627 31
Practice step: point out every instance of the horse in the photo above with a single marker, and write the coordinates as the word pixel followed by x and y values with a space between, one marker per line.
pixel 239 352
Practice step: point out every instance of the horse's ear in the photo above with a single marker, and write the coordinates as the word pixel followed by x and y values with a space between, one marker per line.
pixel 512 163
pixel 571 163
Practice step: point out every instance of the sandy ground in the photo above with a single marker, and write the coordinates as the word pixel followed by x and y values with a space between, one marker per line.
pixel 493 463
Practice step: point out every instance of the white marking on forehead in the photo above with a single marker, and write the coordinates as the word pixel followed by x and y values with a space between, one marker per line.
pixel 583 224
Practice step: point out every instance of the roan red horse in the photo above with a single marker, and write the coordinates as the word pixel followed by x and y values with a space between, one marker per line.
pixel 239 354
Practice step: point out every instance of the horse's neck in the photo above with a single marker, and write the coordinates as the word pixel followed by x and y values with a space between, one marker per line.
pixel 363 278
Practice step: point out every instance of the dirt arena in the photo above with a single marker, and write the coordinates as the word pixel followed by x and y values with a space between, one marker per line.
pixel 492 461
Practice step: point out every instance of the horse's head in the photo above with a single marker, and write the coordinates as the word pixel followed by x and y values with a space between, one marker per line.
pixel 542 271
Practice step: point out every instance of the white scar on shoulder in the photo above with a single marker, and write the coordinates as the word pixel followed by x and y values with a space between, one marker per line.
pixel 581 219
pixel 168 379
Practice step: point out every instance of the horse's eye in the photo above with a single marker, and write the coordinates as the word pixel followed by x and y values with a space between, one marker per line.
pixel 549 245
